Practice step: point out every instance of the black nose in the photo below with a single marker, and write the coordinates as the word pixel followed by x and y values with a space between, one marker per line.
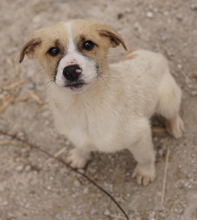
pixel 72 72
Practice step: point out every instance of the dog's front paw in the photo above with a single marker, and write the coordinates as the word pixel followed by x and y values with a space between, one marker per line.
pixel 144 174
pixel 77 158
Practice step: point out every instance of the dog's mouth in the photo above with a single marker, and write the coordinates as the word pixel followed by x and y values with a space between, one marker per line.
pixel 75 85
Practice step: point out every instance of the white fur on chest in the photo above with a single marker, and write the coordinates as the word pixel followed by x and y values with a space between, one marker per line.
pixel 85 121
pixel 107 115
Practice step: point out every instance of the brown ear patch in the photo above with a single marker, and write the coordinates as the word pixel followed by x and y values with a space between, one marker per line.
pixel 29 48
pixel 115 38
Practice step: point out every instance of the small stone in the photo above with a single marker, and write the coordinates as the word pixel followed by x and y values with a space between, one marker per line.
pixel 93 212
pixel 31 86
pixel 194 6
pixel 19 168
pixel 81 170
pixel 193 93
pixel 107 212
pixel 67 143
pixel 120 16
pixel 128 10
pixel 179 17
pixel 74 196
pixel 166 13
pixel 160 152
pixel 76 183
pixel 128 174
pixel 164 37
pixel 5 203
pixel 86 190
pixel 149 14
pixel 78 212
pixel 27 168
pixel 137 27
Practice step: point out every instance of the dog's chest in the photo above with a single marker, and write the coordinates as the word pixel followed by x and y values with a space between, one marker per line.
pixel 84 121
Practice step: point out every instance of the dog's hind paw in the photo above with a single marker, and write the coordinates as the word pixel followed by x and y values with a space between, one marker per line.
pixel 144 174
pixel 175 126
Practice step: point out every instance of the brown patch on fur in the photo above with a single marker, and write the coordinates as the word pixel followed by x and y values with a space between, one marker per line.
pixel 29 48
pixel 128 55
pixel 114 37
pixel 102 35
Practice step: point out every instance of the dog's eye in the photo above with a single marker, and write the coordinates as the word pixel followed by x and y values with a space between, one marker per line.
pixel 54 51
pixel 88 45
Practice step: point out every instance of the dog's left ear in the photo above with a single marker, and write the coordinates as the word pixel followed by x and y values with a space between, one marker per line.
pixel 113 36
pixel 29 48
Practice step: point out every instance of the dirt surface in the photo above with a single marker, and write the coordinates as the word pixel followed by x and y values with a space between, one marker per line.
pixel 33 188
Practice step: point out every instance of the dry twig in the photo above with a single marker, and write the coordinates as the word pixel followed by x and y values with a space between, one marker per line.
pixel 7 102
pixel 13 85
pixel 35 97
pixel 33 146
pixel 158 129
pixel 165 176
pixel 55 155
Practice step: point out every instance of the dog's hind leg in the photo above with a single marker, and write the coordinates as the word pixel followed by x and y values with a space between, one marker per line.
pixel 169 104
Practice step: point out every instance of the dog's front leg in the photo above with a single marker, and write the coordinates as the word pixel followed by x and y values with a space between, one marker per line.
pixel 78 157
pixel 143 153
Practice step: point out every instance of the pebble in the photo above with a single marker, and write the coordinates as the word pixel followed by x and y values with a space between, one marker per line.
pixel 137 27
pixel 194 6
pixel 74 196
pixel 46 113
pixel 86 190
pixel 27 168
pixel 179 17
pixel 128 174
pixel 21 135
pixel 160 152
pixel 31 86
pixel 78 212
pixel 149 14
pixel 76 183
pixel 5 203
pixel 193 93
pixel 164 37
pixel 107 212
pixel 19 168
pixel 178 211
pixel 166 13
pixel 128 10
pixel 93 212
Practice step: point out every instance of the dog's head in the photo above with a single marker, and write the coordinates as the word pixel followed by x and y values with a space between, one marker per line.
pixel 73 53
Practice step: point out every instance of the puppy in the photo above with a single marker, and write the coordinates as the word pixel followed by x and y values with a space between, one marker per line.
pixel 101 107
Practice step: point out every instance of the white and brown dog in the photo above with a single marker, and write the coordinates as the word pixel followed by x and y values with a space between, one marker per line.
pixel 101 107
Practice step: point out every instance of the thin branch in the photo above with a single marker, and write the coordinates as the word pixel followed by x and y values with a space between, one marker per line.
pixel 165 175
pixel 33 146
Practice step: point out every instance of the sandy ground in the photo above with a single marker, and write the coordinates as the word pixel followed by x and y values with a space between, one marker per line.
pixel 33 189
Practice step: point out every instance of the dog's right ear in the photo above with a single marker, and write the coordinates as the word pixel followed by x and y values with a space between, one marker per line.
pixel 29 48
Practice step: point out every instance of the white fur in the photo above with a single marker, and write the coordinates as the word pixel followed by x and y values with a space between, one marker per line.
pixel 87 65
pixel 114 112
